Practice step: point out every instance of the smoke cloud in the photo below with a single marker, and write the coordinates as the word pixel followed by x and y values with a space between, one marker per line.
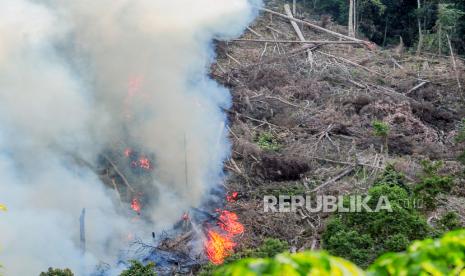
pixel 78 78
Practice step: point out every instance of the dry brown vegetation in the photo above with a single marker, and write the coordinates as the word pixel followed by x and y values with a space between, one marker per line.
pixel 319 112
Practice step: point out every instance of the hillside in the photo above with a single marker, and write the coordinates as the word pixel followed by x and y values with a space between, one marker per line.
pixel 302 122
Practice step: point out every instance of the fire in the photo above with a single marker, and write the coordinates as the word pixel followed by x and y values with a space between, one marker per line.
pixel 218 247
pixel 127 152
pixel 144 163
pixel 232 197
pixel 229 222
pixel 135 205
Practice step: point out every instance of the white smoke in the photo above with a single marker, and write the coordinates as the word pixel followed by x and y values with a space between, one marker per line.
pixel 77 77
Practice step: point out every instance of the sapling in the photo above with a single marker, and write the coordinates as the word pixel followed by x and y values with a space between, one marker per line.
pixel 381 129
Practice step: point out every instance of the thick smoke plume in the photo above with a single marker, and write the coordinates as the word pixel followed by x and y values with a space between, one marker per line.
pixel 78 78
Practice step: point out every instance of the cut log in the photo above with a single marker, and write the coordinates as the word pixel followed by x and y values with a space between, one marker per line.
pixel 297 41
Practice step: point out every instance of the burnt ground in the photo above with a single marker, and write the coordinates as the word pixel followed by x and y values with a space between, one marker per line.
pixel 319 113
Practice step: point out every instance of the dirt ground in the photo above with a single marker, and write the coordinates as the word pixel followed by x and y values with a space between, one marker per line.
pixel 319 109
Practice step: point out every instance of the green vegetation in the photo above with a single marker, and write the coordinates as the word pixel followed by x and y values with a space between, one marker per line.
pixel 381 129
pixel 445 256
pixel 384 21
pixel 361 237
pixel 57 272
pixel 432 184
pixel 448 222
pixel 138 269
pixel 307 263
pixel 267 141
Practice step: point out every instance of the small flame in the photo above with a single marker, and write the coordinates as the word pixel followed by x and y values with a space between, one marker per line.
pixel 218 247
pixel 135 205
pixel 232 197
pixel 229 222
pixel 127 152
pixel 144 163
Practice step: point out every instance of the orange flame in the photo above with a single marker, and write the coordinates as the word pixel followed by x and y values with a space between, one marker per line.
pixel 229 222
pixel 127 152
pixel 144 163
pixel 135 205
pixel 232 197
pixel 218 247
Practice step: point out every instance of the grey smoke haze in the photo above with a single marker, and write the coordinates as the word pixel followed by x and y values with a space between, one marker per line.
pixel 79 76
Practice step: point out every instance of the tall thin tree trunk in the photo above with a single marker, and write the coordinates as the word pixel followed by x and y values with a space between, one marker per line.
pixel 294 8
pixel 385 32
pixel 420 34
pixel 351 18
pixel 355 18
pixel 440 39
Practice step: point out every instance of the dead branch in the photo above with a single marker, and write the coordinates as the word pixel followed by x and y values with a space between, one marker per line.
pixel 352 63
pixel 254 32
pixel 334 179
pixel 344 162
pixel 296 41
pixel 315 26
pixel 421 84
pixel 120 174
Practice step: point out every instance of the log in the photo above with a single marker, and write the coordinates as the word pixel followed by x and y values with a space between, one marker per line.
pixel 316 27
pixel 417 87
pixel 287 8
pixel 336 178
pixel 297 41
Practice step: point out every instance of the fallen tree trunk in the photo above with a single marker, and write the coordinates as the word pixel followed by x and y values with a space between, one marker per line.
pixel 297 41
pixel 299 33
pixel 317 27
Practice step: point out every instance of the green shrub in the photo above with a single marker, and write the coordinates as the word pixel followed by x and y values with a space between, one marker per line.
pixel 449 221
pixel 57 272
pixel 361 237
pixel 306 263
pixel 381 129
pixel 445 256
pixel 138 269
pixel 267 141
pixel 432 184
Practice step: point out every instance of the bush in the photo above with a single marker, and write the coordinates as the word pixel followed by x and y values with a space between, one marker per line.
pixel 138 269
pixel 445 256
pixel 57 272
pixel 381 129
pixel 449 221
pixel 432 184
pixel 306 263
pixel 429 257
pixel 361 237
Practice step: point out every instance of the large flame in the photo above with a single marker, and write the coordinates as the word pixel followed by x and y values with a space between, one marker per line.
pixel 218 247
